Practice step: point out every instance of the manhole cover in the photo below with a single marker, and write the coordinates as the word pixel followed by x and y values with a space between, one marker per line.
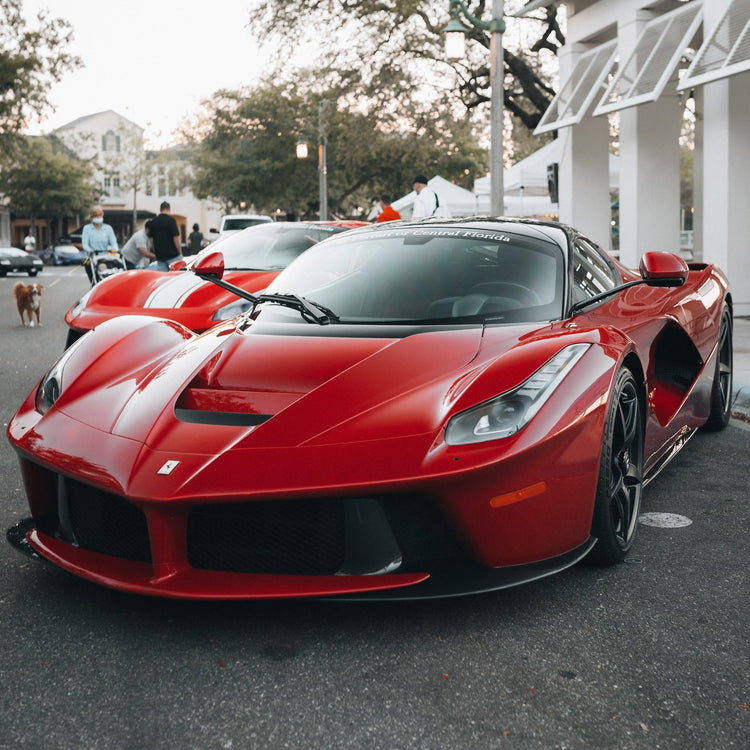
pixel 664 520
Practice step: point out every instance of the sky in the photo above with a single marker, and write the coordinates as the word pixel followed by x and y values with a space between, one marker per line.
pixel 152 61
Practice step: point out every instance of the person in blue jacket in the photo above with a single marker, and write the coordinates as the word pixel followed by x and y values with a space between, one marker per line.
pixel 97 237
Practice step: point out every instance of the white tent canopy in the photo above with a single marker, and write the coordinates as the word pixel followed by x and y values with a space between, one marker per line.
pixel 525 188
pixel 529 176
pixel 458 200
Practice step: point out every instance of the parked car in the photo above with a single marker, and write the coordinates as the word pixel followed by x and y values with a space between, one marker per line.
pixel 237 222
pixel 436 408
pixel 63 254
pixel 14 260
pixel 254 257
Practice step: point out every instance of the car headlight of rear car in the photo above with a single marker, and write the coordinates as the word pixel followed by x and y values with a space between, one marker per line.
pixel 53 383
pixel 232 310
pixel 512 411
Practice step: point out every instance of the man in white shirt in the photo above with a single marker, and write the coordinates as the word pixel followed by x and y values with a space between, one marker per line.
pixel 29 242
pixel 138 250
pixel 426 202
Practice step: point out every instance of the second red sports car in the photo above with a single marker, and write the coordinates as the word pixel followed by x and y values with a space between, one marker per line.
pixel 254 257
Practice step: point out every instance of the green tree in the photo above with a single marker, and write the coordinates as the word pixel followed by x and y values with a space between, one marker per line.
pixel 31 61
pixel 246 153
pixel 44 180
pixel 391 51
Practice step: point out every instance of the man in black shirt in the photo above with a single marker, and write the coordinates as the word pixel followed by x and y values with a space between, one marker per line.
pixel 166 238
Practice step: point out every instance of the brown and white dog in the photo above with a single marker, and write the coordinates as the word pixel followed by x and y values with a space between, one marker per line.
pixel 29 301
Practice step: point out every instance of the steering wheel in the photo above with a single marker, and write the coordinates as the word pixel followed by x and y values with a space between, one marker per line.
pixel 524 294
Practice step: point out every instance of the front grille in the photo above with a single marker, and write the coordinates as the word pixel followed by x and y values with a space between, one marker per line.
pixel 319 536
pixel 105 523
pixel 294 537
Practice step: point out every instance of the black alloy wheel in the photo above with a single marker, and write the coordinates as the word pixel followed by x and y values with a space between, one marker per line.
pixel 721 392
pixel 620 486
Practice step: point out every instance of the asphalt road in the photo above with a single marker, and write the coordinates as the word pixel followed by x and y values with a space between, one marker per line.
pixel 649 654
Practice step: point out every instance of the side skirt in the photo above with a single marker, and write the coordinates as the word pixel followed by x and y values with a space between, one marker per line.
pixel 656 469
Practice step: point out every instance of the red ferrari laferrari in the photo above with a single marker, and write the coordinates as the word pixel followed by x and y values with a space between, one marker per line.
pixel 253 258
pixel 410 410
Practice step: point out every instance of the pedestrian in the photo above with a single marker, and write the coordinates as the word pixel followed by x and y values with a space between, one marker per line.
pixel 138 250
pixel 426 202
pixel 387 212
pixel 195 240
pixel 29 242
pixel 165 235
pixel 97 237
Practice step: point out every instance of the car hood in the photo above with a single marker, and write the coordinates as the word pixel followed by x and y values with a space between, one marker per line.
pixel 219 403
pixel 169 290
pixel 282 390
pixel 259 388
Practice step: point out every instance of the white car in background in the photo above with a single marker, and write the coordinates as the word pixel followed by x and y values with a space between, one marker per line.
pixel 232 223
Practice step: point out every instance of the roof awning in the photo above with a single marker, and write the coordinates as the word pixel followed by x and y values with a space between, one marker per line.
pixel 587 79
pixel 726 51
pixel 652 63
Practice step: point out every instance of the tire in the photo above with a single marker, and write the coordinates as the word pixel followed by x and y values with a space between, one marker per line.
pixel 620 485
pixel 32 273
pixel 721 391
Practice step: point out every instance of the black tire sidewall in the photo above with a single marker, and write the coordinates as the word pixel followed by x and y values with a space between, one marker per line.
pixel 608 549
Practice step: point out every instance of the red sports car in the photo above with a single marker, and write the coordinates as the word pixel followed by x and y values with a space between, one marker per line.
pixel 253 257
pixel 411 410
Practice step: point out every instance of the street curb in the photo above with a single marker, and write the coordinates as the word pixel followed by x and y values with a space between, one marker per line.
pixel 741 402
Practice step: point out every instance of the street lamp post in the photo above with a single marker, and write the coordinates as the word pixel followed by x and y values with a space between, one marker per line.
pixel 455 33
pixel 322 163
pixel 301 150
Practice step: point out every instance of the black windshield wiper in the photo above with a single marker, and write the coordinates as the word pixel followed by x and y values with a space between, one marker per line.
pixel 309 310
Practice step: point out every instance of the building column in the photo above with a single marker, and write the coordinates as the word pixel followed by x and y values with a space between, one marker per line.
pixel 726 182
pixel 583 176
pixel 650 178
pixel 584 179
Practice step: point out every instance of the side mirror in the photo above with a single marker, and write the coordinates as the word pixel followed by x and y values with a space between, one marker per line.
pixel 178 265
pixel 213 230
pixel 211 264
pixel 663 269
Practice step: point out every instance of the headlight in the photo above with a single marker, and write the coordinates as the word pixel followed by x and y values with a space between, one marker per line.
pixel 81 304
pixel 512 411
pixel 53 383
pixel 232 310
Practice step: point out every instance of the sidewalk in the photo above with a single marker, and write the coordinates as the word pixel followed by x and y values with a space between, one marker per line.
pixel 741 389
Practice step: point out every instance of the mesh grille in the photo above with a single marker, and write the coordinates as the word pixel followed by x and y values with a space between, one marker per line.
pixel 106 523
pixel 311 537
pixel 283 537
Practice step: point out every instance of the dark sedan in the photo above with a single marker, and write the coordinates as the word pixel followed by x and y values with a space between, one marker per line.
pixel 13 260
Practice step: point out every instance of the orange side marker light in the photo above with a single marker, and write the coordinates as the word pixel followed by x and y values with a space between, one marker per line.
pixel 514 497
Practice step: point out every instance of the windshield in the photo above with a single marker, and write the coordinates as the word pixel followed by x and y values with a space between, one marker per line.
pixel 233 225
pixel 428 274
pixel 267 246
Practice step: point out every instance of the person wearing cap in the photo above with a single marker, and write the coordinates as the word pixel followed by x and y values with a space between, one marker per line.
pixel 426 202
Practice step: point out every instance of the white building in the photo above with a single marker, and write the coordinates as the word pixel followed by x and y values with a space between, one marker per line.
pixel 642 59
pixel 131 177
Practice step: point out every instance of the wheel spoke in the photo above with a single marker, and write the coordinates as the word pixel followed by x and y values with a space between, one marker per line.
pixel 625 488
